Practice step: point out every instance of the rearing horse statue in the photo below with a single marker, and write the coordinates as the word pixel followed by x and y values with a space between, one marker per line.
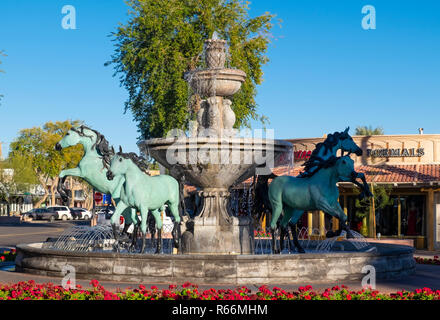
pixel 93 166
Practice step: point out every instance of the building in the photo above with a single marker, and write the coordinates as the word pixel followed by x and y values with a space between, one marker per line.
pixel 407 164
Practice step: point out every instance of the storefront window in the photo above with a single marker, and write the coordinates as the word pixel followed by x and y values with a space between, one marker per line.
pixel 412 215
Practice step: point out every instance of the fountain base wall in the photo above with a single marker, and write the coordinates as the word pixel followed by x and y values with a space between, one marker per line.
pixel 390 262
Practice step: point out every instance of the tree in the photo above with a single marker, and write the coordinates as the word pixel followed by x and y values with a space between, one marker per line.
pixel 381 195
pixel 368 131
pixel 37 146
pixel 16 176
pixel 164 38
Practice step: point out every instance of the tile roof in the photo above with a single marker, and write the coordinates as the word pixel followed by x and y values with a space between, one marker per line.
pixel 417 173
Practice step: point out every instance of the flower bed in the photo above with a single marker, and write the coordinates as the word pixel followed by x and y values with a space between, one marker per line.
pixel 32 291
pixel 262 234
pixel 8 255
pixel 435 261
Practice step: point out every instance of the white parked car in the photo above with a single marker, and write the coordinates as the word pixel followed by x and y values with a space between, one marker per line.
pixel 81 213
pixel 62 212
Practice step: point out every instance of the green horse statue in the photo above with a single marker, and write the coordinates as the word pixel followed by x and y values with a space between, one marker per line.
pixel 294 195
pixel 144 193
pixel 93 166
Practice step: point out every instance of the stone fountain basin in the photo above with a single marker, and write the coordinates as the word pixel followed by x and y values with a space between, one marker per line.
pixel 240 156
pixel 390 262
pixel 216 82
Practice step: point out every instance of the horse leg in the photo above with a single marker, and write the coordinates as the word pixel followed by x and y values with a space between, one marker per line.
pixel 62 191
pixel 295 238
pixel 115 222
pixel 290 219
pixel 157 218
pixel 283 232
pixel 174 208
pixel 134 238
pixel 335 211
pixel 277 208
pixel 365 184
pixel 159 241
pixel 144 215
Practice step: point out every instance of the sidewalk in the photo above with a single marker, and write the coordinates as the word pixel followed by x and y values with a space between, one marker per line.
pixel 426 254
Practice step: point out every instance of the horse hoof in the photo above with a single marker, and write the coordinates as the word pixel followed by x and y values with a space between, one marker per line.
pixel 301 250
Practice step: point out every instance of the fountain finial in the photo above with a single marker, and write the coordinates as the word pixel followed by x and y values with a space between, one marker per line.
pixel 215 36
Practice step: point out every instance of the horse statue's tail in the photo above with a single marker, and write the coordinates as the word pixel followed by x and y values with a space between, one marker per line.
pixel 182 208
pixel 275 198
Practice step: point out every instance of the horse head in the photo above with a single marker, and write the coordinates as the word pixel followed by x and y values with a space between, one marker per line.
pixel 76 135
pixel 345 168
pixel 118 165
pixel 347 144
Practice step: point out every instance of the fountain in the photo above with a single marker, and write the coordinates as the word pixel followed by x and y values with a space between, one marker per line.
pixel 218 246
pixel 215 158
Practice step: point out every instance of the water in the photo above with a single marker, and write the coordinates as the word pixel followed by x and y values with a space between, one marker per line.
pixel 315 243
pixel 100 239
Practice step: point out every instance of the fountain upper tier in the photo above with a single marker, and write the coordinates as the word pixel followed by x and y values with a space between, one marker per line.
pixel 215 80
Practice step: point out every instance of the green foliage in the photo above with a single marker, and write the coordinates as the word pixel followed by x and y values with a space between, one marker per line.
pixel 37 145
pixel 369 131
pixel 164 38
pixel 381 194
pixel 36 148
pixel 16 176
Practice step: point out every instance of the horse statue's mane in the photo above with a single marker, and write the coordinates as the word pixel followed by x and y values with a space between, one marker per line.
pixel 138 161
pixel 315 160
pixel 101 145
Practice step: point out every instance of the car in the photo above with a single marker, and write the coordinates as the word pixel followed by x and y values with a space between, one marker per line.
pixel 47 214
pixel 56 212
pixel 80 213
pixel 108 211
pixel 32 214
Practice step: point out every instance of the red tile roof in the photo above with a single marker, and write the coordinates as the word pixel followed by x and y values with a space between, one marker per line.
pixel 416 173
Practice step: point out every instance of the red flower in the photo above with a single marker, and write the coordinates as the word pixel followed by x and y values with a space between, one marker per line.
pixel 94 283
pixel 348 297
pixel 308 297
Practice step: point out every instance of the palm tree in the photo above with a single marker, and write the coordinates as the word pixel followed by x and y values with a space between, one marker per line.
pixel 368 131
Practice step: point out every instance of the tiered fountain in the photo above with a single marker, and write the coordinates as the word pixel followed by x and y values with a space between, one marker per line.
pixel 214 158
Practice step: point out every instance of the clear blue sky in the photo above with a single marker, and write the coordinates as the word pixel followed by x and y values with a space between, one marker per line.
pixel 325 71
